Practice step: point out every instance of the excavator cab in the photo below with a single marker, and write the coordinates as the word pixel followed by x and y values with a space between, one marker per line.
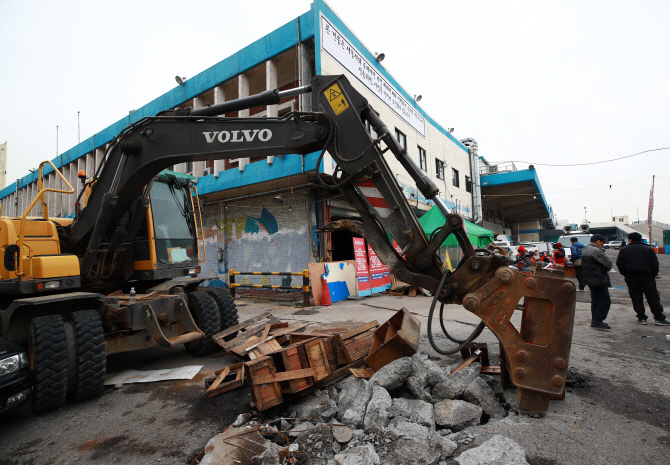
pixel 167 244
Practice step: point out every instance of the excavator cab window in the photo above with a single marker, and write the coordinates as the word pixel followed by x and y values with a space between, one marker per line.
pixel 173 223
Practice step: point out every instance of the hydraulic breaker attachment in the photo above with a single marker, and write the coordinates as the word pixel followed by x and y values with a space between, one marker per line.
pixel 537 355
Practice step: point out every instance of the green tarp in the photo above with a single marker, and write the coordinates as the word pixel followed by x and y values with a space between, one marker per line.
pixel 433 219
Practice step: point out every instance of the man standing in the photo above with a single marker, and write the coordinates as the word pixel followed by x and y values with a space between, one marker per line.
pixel 638 264
pixel 576 256
pixel 595 268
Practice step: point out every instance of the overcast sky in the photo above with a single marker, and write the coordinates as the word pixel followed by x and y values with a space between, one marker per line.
pixel 543 82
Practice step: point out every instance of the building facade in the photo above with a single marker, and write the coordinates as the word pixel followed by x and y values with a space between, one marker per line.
pixel 262 214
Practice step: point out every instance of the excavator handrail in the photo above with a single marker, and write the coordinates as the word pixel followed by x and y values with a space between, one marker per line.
pixel 195 223
pixel 45 210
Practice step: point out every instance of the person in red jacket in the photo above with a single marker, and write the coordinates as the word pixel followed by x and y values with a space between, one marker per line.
pixel 559 254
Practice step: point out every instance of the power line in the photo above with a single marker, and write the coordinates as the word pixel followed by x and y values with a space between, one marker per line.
pixel 584 164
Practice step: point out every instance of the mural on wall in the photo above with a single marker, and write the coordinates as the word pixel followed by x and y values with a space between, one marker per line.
pixel 258 243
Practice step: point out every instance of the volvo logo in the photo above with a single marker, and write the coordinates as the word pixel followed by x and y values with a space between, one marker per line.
pixel 246 135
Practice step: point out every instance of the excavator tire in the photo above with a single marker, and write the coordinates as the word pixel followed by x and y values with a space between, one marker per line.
pixel 48 360
pixel 90 354
pixel 206 314
pixel 226 305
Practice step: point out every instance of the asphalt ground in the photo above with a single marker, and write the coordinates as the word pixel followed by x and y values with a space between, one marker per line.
pixel 616 411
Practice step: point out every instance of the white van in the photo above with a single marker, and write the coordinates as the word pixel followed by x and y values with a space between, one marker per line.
pixel 582 237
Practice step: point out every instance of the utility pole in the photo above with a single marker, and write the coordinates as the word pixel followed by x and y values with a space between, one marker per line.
pixel 651 205
pixel 78 129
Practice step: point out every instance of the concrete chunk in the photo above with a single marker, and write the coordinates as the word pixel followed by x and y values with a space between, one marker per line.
pixel 456 414
pixel 480 393
pixel 434 373
pixel 418 445
pixel 377 413
pixel 361 455
pixel 314 407
pixel 415 411
pixel 393 375
pixel 354 399
pixel 498 450
pixel 453 386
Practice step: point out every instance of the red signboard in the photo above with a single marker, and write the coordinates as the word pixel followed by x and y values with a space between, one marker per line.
pixel 376 271
pixel 362 274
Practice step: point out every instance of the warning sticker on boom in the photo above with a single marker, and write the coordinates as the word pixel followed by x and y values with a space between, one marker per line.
pixel 336 99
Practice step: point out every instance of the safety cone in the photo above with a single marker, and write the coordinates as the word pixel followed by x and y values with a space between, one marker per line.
pixel 325 293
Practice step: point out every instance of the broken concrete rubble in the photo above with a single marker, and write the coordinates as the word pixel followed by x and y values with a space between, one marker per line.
pixel 415 411
pixel 496 451
pixel 342 433
pixel 393 375
pixel 453 386
pixel 456 414
pixel 314 406
pixel 480 393
pixel 418 444
pixel 354 398
pixel 377 413
pixel 361 455
pixel 378 425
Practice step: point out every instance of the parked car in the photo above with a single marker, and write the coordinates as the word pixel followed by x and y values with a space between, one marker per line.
pixel 16 377
pixel 616 245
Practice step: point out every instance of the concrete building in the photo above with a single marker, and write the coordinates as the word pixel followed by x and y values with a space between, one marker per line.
pixel 513 202
pixel 261 214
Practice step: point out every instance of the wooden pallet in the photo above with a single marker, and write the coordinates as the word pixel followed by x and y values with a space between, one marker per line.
pixel 294 357
pixel 354 344
pixel 316 354
pixel 265 390
pixel 328 338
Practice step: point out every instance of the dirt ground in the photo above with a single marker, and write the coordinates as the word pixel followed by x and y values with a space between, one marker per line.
pixel 616 411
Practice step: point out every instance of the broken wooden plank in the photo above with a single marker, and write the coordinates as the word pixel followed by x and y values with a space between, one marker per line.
pixel 292 328
pixel 252 331
pixel 269 347
pixel 362 372
pixel 398 337
pixel 237 327
pixel 284 376
pixel 219 386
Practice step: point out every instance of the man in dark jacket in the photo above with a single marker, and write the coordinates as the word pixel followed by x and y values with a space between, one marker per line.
pixel 576 257
pixel 595 268
pixel 639 266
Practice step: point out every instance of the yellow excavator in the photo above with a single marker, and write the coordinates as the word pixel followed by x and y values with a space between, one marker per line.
pixel 65 288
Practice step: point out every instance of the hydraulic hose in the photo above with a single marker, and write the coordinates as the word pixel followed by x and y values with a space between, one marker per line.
pixel 462 344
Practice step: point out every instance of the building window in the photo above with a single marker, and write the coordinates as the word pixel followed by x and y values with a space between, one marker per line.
pixel 371 130
pixel 401 138
pixel 439 169
pixel 422 159
pixel 454 177
pixel 468 184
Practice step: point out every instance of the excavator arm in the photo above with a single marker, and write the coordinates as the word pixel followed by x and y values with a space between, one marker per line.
pixel 536 356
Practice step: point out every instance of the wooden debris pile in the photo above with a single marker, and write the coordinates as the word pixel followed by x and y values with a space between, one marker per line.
pixel 278 359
